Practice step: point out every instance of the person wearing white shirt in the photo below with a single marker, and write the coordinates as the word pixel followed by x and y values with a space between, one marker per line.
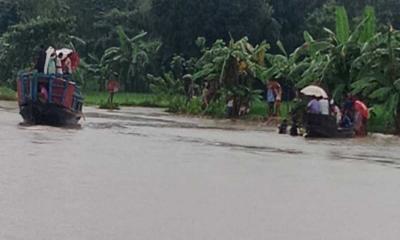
pixel 324 106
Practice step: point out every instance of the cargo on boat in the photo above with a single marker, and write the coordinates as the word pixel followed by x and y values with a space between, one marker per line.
pixel 49 99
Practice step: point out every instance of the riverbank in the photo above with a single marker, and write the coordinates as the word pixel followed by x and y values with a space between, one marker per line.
pixel 126 99
pixel 257 115
pixel 379 122
pixel 7 94
pixel 175 104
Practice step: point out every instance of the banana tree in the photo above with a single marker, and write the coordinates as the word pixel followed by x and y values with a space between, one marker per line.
pixel 232 67
pixel 328 62
pixel 166 86
pixel 130 59
pixel 378 75
pixel 94 68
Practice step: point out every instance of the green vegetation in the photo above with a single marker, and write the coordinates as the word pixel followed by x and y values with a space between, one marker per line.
pixel 126 99
pixel 166 53
pixel 7 94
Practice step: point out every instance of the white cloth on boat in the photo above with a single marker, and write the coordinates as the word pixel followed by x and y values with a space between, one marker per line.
pixel 49 51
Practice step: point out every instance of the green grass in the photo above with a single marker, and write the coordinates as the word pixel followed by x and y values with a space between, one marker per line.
pixel 126 99
pixel 259 110
pixel 7 94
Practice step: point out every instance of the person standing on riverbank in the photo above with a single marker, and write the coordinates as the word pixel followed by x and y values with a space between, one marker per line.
pixel 206 94
pixel 270 97
pixel 278 98
pixel 112 88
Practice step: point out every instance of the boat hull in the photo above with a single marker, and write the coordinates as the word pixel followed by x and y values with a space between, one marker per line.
pixel 48 114
pixel 324 126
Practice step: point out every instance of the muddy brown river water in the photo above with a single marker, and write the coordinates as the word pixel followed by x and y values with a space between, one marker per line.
pixel 143 174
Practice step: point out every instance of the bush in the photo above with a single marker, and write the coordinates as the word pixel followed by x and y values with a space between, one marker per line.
pixel 110 106
pixel 177 104
pixel 194 106
pixel 7 94
pixel 216 109
pixel 380 121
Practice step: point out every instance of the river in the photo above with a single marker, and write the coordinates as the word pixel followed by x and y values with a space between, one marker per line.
pixel 144 174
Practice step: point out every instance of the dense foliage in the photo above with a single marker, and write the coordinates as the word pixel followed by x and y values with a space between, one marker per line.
pixel 342 45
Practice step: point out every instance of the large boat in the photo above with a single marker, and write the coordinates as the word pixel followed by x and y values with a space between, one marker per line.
pixel 325 126
pixel 49 99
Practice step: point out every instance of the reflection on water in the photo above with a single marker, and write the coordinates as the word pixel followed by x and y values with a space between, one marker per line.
pixel 144 174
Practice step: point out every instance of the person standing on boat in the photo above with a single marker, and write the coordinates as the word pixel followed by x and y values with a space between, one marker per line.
pixel 59 64
pixel 41 60
pixel 51 67
pixel 348 106
pixel 68 65
pixel 336 112
pixel 313 106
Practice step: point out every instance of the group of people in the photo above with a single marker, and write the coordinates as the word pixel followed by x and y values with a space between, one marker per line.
pixel 53 63
pixel 346 117
pixel 274 98
pixel 318 105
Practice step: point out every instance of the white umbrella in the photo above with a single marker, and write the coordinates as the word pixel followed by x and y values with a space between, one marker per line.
pixel 314 91
pixel 64 51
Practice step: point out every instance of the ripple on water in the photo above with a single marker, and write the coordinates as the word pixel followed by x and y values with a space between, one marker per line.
pixel 373 158
pixel 248 148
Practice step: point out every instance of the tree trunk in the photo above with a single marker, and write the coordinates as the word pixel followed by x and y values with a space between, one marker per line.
pixel 102 84
pixel 231 81
pixel 397 122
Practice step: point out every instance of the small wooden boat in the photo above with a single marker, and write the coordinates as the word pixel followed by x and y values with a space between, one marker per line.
pixel 325 126
pixel 49 99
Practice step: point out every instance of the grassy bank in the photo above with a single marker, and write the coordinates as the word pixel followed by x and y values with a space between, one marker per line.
pixel 7 94
pixel 126 99
pixel 379 121
pixel 177 104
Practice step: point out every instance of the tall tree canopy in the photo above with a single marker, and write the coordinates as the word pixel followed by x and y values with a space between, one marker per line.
pixel 180 22
pixel 176 24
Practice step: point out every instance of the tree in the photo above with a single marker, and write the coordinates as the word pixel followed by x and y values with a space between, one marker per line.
pixel 179 22
pixel 322 17
pixel 328 62
pixel 19 44
pixel 130 59
pixel 231 69
pixel 8 14
pixel 29 9
pixel 377 73
pixel 98 29
pixel 291 15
